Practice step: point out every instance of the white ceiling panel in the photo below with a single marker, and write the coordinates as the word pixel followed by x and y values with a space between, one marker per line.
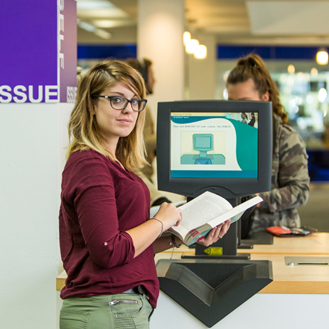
pixel 289 17
pixel 230 21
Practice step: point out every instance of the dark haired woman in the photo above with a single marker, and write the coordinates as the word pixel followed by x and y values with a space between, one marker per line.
pixel 250 80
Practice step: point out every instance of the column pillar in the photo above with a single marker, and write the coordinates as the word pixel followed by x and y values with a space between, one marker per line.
pixel 160 38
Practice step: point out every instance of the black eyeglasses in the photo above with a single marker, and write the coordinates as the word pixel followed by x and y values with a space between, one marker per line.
pixel 120 103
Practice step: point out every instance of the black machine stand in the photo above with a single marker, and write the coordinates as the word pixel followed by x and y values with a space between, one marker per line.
pixel 216 280
pixel 211 289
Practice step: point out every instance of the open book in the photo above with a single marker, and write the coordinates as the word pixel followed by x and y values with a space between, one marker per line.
pixel 205 212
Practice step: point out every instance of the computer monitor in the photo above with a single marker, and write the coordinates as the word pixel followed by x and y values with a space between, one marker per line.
pixel 220 146
pixel 202 143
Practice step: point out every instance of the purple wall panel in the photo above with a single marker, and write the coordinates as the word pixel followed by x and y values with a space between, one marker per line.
pixel 28 50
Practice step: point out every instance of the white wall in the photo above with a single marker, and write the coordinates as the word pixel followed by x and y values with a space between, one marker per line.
pixel 32 157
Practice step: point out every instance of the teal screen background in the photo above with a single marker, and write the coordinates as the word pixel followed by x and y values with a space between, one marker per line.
pixel 247 145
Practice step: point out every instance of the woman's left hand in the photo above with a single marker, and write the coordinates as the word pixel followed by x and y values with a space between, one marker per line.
pixel 215 234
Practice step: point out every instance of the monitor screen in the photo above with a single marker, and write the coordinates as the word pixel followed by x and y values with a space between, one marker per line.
pixel 221 146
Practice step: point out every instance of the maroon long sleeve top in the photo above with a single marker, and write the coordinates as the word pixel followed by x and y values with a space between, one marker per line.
pixel 100 201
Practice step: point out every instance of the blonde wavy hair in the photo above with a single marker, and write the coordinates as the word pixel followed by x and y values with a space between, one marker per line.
pixel 253 67
pixel 84 133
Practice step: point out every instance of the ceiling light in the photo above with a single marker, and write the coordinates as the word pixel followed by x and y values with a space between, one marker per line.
pixel 314 71
pixel 105 23
pixel 87 27
pixel 87 5
pixel 322 57
pixel 103 34
pixel 200 52
pixel 191 46
pixel 91 28
pixel 186 37
pixel 291 69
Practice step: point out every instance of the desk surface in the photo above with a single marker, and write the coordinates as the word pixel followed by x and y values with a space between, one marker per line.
pixel 304 279
pixel 315 244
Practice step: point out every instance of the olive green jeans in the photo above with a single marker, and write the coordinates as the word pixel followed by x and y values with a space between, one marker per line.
pixel 120 311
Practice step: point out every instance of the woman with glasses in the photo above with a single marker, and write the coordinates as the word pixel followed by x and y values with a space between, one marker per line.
pixel 107 238
pixel 250 80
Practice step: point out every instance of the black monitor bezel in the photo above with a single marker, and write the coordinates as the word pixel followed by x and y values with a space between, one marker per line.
pixel 226 187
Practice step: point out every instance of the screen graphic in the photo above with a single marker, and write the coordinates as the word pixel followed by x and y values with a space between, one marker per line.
pixel 213 145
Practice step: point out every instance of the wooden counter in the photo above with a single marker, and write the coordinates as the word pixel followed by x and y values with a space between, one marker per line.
pixel 302 279
pixel 305 279
pixel 60 281
pixel 314 244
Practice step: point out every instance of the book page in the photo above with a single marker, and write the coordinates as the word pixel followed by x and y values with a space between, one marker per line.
pixel 180 230
pixel 235 213
pixel 203 209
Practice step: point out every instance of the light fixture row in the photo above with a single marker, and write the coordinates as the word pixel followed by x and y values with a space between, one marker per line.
pixel 192 46
pixel 322 57
pixel 91 28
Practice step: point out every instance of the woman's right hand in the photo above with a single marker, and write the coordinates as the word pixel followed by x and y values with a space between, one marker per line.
pixel 169 214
